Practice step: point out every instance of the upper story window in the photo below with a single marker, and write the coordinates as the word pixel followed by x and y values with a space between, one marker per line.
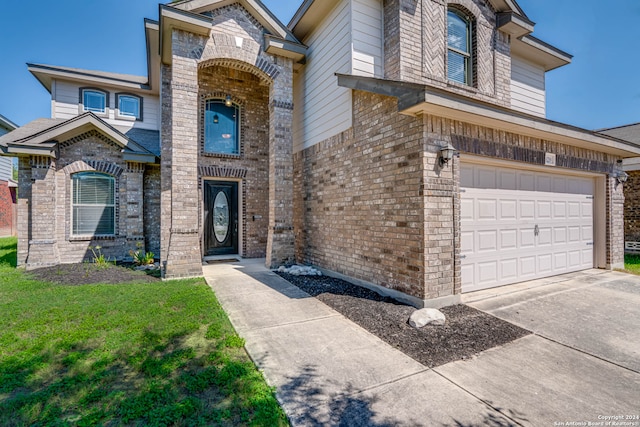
pixel 93 204
pixel 459 43
pixel 129 106
pixel 221 127
pixel 94 100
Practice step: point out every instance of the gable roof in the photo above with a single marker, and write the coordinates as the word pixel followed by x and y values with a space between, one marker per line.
pixel 255 7
pixel 41 136
pixel 188 15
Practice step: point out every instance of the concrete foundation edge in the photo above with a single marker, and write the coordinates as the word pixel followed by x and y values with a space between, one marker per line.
pixel 397 295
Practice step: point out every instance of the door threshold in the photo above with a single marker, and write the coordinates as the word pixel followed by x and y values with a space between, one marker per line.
pixel 221 259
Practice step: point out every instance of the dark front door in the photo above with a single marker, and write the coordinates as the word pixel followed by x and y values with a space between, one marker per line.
pixel 220 217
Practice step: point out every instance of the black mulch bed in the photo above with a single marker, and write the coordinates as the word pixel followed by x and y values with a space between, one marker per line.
pixel 88 273
pixel 466 333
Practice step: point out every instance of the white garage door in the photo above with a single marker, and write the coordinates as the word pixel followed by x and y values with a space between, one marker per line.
pixel 520 225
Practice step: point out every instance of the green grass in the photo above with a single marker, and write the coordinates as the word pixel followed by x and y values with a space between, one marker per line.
pixel 632 264
pixel 132 354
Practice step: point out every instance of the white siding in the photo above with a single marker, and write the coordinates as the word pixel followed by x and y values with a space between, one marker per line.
pixel 66 105
pixel 5 168
pixel 324 109
pixel 527 87
pixel 367 33
pixel 6 171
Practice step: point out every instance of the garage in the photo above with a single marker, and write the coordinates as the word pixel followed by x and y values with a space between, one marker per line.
pixel 519 225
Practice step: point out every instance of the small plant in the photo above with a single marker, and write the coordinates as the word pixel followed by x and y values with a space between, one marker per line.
pixel 140 257
pixel 98 257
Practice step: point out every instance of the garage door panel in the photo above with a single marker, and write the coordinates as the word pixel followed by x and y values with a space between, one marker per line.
pixel 560 261
pixel 508 239
pixel 508 209
pixel 544 236
pixel 487 241
pixel 559 235
pixel 509 269
pixel 486 209
pixel 487 272
pixel 466 210
pixel 500 211
pixel 544 209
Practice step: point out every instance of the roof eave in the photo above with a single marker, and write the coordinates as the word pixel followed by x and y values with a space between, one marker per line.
pixel 47 73
pixel 539 52
pixel 177 19
pixel 277 46
pixel 419 99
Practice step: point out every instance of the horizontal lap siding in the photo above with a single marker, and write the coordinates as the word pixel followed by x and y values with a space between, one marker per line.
pixel 527 88
pixel 324 109
pixel 5 169
pixel 66 96
pixel 367 38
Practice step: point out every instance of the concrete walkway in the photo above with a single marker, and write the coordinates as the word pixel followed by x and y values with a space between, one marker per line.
pixel 329 371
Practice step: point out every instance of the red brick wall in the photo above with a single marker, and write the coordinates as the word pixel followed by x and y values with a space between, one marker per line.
pixel 7 210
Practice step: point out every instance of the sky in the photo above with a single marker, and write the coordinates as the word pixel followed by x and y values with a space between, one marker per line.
pixel 599 89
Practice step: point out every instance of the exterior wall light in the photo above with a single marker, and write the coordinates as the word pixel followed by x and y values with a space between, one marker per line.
pixel 621 177
pixel 446 153
pixel 227 101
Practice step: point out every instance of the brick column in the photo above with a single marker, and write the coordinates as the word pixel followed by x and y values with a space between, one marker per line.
pixel 615 224
pixel 133 205
pixel 42 243
pixel 280 242
pixel 180 237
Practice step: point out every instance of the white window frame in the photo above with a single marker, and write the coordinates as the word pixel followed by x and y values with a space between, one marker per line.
pixel 74 205
pixel 83 106
pixel 138 116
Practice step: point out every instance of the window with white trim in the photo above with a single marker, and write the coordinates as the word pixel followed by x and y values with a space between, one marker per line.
pixel 129 106
pixel 93 204
pixel 221 127
pixel 459 47
pixel 94 100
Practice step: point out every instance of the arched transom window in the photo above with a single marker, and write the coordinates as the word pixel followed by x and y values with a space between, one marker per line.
pixel 221 127
pixel 459 43
pixel 93 204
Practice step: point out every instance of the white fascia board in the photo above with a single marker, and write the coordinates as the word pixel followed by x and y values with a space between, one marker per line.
pixel 288 49
pixel 48 74
pixel 468 111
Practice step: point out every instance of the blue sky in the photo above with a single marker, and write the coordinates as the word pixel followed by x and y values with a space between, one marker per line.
pixel 599 89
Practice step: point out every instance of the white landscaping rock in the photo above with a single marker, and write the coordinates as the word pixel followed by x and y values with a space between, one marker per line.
pixel 300 270
pixel 427 316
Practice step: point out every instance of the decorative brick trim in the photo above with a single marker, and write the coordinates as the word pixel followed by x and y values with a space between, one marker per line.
pixel 282 104
pixel 263 69
pixel 93 165
pixel 222 172
pixel 511 152
pixel 90 134
pixel 183 86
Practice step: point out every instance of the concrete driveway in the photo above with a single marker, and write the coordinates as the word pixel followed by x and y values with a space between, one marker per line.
pixel 581 364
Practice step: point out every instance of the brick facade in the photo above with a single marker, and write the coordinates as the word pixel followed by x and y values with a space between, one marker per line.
pixel 45 194
pixel 231 61
pixel 372 203
pixel 632 207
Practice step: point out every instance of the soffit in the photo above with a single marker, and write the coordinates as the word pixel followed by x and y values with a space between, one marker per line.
pixel 418 99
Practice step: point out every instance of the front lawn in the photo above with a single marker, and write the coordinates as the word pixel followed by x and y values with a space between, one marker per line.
pixel 632 263
pixel 160 353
